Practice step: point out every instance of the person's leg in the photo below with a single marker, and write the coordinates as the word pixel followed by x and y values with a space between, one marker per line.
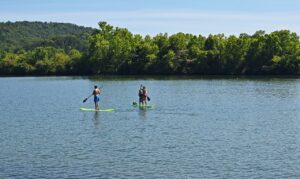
pixel 97 106
pixel 96 100
pixel 144 102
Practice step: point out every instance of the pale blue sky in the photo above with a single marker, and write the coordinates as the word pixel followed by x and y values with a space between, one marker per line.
pixel 155 16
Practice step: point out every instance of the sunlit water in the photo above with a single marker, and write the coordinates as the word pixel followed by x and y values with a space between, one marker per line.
pixel 201 128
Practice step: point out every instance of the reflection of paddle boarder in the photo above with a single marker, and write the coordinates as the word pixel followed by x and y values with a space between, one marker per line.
pixel 96 120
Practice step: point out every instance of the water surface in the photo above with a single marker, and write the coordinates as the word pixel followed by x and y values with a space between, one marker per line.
pixel 202 128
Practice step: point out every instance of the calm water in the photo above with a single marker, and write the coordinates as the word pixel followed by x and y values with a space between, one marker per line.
pixel 202 128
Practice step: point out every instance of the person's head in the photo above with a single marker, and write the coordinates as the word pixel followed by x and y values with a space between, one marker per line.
pixel 144 87
pixel 95 86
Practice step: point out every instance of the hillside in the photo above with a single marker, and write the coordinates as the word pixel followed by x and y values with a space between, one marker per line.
pixel 28 35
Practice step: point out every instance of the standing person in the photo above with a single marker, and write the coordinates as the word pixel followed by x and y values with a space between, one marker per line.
pixel 96 93
pixel 141 93
pixel 143 96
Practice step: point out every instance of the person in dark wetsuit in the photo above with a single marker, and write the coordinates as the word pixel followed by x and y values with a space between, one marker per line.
pixel 140 95
pixel 96 93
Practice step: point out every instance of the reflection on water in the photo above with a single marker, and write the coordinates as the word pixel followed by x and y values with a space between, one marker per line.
pixel 96 119
pixel 93 116
pixel 143 113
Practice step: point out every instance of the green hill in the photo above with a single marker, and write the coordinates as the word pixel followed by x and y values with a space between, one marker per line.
pixel 16 36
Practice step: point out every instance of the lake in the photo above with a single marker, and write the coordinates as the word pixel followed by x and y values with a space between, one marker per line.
pixel 202 127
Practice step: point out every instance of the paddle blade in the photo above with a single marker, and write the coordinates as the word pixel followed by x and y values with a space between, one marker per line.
pixel 84 100
pixel 148 98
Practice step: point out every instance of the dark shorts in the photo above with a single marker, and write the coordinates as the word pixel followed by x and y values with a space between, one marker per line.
pixel 96 99
pixel 143 98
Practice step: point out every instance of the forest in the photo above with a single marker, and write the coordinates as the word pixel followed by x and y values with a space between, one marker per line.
pixel 40 48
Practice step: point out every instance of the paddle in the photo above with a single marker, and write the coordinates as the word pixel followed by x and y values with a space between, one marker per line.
pixel 87 98
pixel 148 98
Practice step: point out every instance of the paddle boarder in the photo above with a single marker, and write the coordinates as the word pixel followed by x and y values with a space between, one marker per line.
pixel 143 96
pixel 140 95
pixel 96 93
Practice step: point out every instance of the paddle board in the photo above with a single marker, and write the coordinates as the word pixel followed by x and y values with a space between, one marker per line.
pixel 147 106
pixel 93 109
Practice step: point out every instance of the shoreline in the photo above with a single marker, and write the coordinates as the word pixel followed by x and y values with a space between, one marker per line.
pixel 296 76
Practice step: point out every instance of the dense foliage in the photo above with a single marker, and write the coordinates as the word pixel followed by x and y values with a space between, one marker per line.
pixel 28 35
pixel 117 51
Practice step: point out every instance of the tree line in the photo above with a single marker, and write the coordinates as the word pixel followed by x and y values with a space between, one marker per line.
pixel 113 50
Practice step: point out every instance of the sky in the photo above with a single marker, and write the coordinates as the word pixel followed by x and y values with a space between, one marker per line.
pixel 230 17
